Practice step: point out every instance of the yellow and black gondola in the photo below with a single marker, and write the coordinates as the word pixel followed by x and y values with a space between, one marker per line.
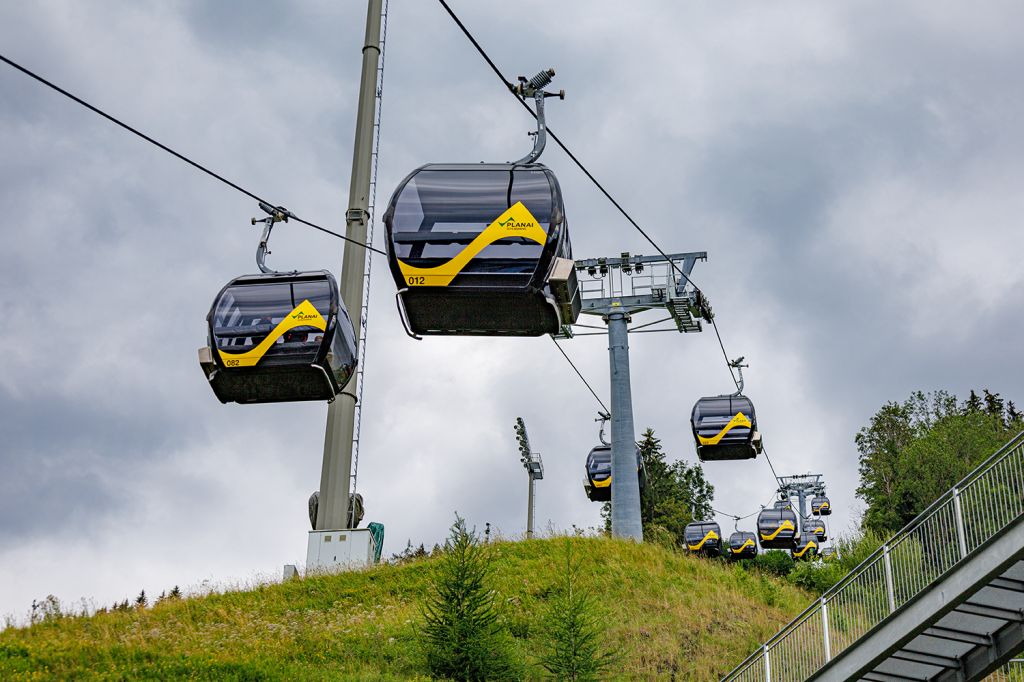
pixel 482 249
pixel 725 428
pixel 742 545
pixel 820 506
pixel 598 482
pixel 817 527
pixel 279 337
pixel 777 526
pixel 806 547
pixel 703 538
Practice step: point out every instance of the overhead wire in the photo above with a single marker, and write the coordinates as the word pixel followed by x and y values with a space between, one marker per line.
pixel 579 164
pixel 198 166
pixel 579 374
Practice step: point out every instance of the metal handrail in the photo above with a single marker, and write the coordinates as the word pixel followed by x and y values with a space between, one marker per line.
pixel 962 519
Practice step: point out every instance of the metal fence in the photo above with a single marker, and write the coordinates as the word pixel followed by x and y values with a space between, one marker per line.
pixel 957 523
pixel 1011 672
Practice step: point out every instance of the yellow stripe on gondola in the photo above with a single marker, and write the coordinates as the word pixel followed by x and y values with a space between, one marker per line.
pixel 787 524
pixel 712 535
pixel 804 550
pixel 824 505
pixel 304 315
pixel 739 420
pixel 517 221
pixel 602 484
pixel 747 543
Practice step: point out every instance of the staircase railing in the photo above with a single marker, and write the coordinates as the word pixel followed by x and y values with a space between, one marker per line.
pixel 965 517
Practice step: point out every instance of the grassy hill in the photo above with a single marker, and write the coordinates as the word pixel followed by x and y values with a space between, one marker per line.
pixel 669 615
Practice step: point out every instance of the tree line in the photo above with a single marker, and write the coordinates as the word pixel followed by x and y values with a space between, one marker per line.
pixel 911 452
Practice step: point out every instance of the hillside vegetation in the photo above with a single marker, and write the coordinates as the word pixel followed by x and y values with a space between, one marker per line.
pixel 668 615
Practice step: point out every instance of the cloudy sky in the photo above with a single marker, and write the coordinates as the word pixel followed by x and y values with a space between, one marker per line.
pixel 852 169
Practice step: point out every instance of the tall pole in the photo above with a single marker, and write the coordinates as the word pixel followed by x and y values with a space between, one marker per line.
pixel 529 510
pixel 336 473
pixel 626 521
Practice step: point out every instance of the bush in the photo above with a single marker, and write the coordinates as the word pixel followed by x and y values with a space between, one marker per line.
pixel 463 635
pixel 817 576
pixel 775 562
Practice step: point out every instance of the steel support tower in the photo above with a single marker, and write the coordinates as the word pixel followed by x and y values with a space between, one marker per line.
pixel 335 475
pixel 616 289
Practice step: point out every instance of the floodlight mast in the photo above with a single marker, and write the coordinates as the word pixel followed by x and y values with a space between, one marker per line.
pixel 616 289
pixel 534 470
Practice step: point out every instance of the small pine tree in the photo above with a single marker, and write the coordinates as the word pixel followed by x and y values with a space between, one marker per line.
pixel 1012 414
pixel 463 636
pixel 571 624
pixel 175 593
pixel 141 601
pixel 973 403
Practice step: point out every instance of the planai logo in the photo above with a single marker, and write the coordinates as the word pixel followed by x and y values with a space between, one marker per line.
pixel 300 316
pixel 513 224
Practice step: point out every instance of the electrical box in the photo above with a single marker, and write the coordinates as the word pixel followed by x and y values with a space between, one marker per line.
pixel 329 551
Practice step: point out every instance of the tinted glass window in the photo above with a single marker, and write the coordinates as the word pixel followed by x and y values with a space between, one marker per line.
pixel 246 313
pixel 465 202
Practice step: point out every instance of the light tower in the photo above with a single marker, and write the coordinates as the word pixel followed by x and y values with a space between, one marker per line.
pixel 534 469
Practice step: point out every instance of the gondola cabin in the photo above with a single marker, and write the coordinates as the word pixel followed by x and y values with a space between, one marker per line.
pixel 703 538
pixel 482 249
pixel 820 506
pixel 817 527
pixel 742 545
pixel 777 527
pixel 279 338
pixel 806 547
pixel 598 481
pixel 724 428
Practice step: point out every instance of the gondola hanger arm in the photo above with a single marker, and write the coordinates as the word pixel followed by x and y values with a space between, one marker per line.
pixel 275 214
pixel 534 87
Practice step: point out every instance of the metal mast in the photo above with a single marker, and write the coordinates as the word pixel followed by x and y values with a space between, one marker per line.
pixel 801 486
pixel 534 469
pixel 335 476
pixel 618 288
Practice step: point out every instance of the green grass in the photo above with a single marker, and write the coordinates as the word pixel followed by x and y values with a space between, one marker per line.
pixel 667 614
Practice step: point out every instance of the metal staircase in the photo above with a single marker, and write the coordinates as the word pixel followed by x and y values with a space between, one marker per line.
pixel 943 599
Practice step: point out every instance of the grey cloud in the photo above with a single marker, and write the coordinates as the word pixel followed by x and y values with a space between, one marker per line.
pixel 754 134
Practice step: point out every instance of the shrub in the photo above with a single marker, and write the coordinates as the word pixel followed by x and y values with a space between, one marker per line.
pixel 463 635
pixel 817 576
pixel 775 562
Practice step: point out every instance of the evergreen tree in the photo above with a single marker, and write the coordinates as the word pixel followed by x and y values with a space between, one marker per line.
pixel 993 404
pixel 973 403
pixel 175 593
pixel 571 624
pixel 141 601
pixel 463 634
pixel 1012 415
